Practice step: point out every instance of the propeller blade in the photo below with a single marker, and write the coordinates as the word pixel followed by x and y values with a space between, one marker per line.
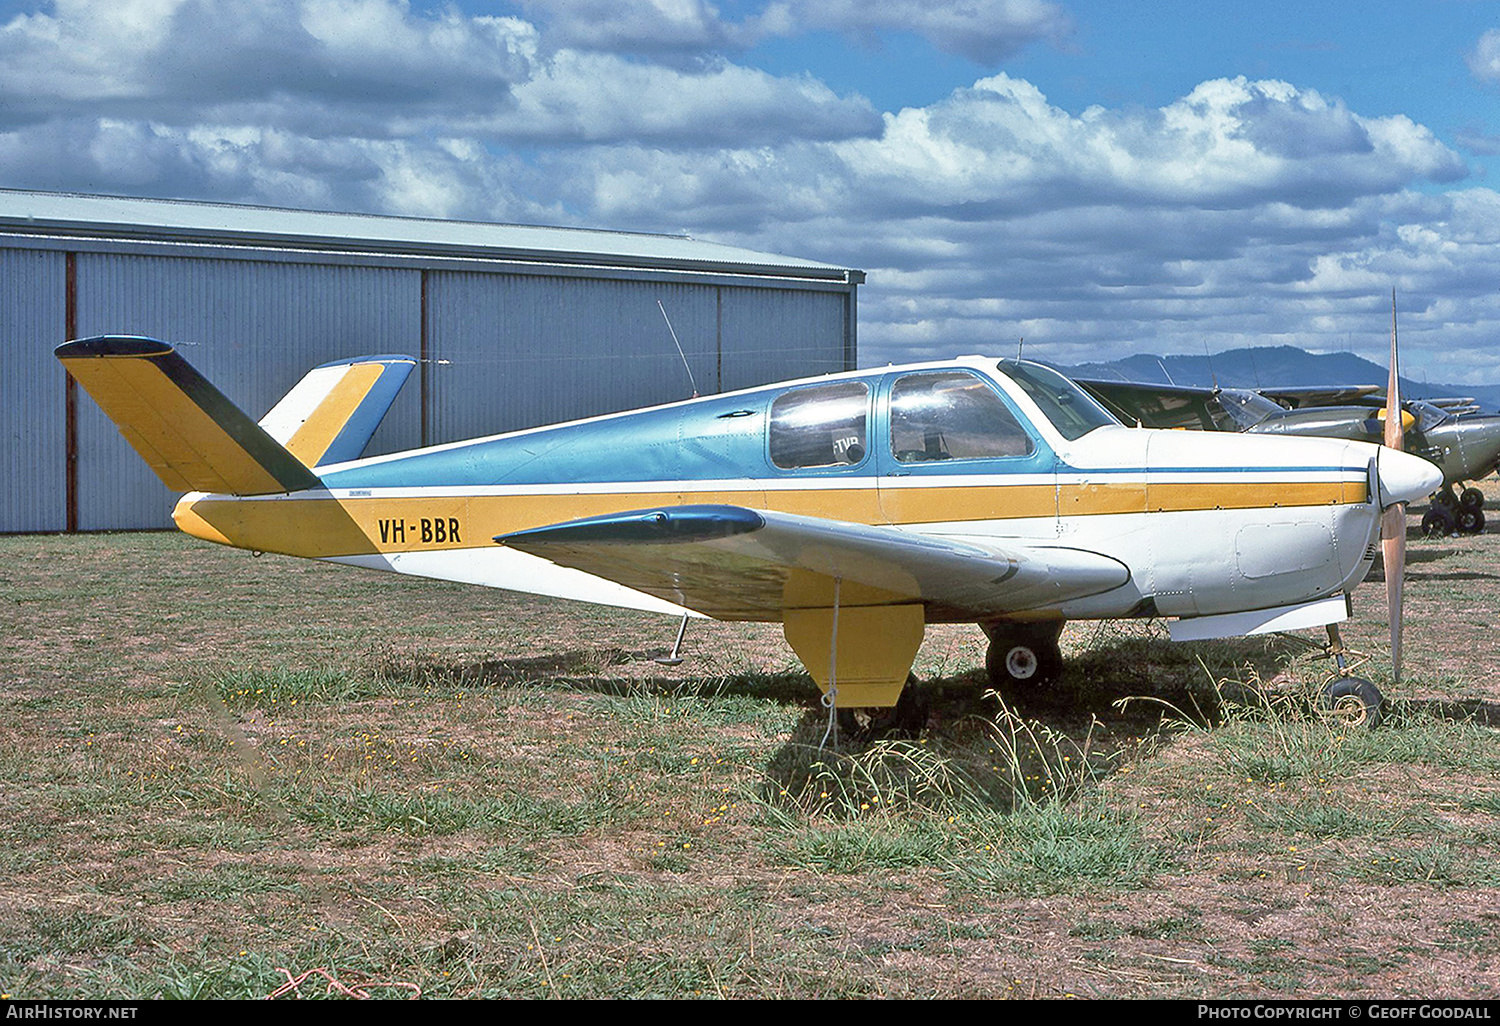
pixel 1393 521
pixel 1393 550
pixel 1395 436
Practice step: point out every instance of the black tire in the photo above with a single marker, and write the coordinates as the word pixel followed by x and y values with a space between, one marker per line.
pixel 905 719
pixel 1354 702
pixel 1439 521
pixel 1472 498
pixel 1470 520
pixel 1023 657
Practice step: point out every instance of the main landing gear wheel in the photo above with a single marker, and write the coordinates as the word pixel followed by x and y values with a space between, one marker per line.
pixel 1466 508
pixel 1353 701
pixel 1439 521
pixel 905 719
pixel 1024 656
pixel 1452 512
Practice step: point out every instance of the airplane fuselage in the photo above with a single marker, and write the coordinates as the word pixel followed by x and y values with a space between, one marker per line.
pixel 1201 524
pixel 1464 448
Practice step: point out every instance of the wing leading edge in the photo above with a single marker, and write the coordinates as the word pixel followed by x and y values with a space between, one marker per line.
pixel 734 563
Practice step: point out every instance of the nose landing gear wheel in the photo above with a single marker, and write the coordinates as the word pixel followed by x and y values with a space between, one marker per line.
pixel 1353 701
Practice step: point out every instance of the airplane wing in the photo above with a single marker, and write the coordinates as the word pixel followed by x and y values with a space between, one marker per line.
pixel 1298 396
pixel 1457 405
pixel 737 563
pixel 1156 406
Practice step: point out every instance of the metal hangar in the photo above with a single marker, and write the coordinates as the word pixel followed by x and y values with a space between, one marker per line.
pixel 514 326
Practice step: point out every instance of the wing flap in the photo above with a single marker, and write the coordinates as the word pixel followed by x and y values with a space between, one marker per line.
pixel 735 563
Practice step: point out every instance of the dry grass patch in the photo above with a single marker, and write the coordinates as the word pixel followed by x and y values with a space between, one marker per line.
pixel 221 766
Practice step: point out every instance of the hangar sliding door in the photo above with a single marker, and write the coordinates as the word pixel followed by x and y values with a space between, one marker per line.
pixel 513 351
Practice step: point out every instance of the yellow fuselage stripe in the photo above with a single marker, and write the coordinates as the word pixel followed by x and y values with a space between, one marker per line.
pixel 318 527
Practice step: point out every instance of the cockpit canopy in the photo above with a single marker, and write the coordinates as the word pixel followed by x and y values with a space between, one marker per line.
pixel 1244 408
pixel 932 414
pixel 1072 411
pixel 1428 416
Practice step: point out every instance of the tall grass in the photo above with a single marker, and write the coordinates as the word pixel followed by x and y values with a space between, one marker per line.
pixel 264 687
pixel 1264 731
pixel 1016 809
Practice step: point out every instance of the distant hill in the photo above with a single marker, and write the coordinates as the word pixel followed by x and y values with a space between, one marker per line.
pixel 1274 366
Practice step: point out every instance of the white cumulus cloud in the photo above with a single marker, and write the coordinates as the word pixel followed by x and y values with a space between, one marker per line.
pixel 1242 212
pixel 1484 59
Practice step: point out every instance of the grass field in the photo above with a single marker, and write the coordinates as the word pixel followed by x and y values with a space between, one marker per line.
pixel 220 772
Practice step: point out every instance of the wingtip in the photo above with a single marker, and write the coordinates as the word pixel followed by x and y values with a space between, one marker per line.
pixel 384 358
pixel 112 346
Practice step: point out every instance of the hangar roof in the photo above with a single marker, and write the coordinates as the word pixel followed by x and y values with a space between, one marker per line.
pixel 117 218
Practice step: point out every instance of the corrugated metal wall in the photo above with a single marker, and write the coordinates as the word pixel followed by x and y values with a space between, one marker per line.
pixel 505 351
pixel 521 350
pixel 786 334
pixel 32 320
pixel 253 329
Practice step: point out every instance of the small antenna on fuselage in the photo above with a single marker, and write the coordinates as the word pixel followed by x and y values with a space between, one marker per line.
pixel 691 380
pixel 1019 343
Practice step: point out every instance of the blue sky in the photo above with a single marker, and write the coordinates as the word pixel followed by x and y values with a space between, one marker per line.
pixel 1102 178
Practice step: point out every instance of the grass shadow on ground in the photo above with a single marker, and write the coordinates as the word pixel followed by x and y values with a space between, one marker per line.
pixel 606 671
pixel 1484 714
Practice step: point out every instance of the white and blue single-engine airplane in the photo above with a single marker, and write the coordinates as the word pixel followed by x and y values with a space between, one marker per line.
pixel 854 508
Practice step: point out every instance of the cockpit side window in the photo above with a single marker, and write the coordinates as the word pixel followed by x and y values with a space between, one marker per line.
pixel 951 415
pixel 821 426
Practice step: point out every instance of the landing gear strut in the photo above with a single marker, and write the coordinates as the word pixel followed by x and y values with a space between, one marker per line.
pixel 1353 701
pixel 1023 655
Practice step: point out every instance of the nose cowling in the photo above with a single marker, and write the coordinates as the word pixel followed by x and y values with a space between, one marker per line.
pixel 1404 477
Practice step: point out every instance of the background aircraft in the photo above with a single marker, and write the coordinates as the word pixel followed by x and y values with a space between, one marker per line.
pixel 1465 447
pixel 854 508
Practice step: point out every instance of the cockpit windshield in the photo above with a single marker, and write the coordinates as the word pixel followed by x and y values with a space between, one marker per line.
pixel 1245 408
pixel 1428 416
pixel 1070 409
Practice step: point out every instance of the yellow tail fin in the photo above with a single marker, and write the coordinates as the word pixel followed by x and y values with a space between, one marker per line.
pixel 329 416
pixel 185 428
